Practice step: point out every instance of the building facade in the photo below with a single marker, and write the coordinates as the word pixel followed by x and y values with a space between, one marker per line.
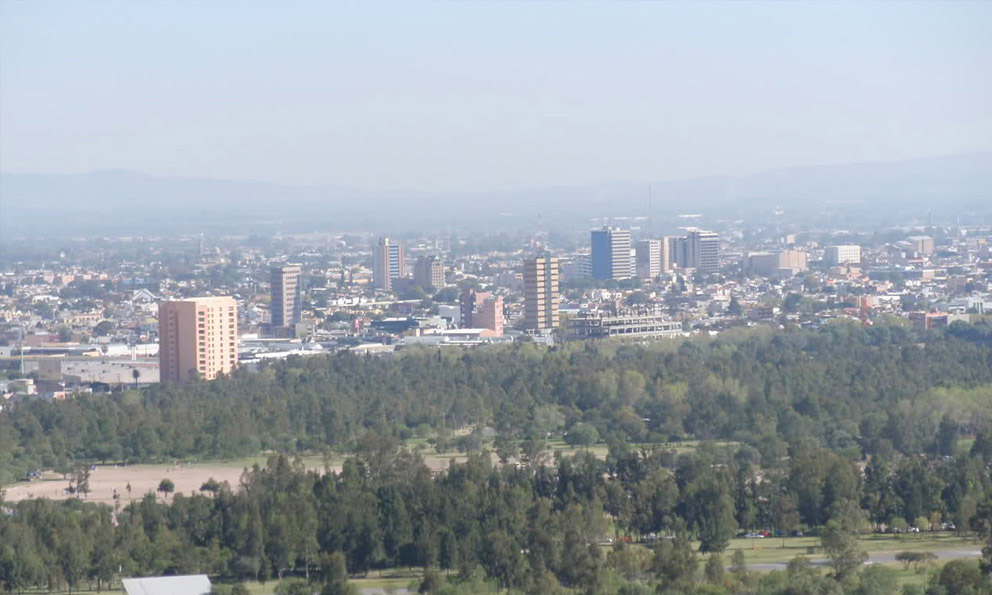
pixel 482 310
pixel 673 243
pixel 489 316
pixel 597 325
pixel 843 254
pixel 611 253
pixel 577 267
pixel 786 262
pixel 197 336
pixel 541 276
pixel 923 245
pixel 285 308
pixel 388 263
pixel 429 272
pixel 651 259
pixel 702 251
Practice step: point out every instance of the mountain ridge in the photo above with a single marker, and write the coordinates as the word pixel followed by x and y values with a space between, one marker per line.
pixel 79 204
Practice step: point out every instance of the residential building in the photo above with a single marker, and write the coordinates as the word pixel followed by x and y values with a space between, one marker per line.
pixel 842 254
pixel 489 316
pixel 388 264
pixel 482 310
pixel 469 301
pixel 429 272
pixel 285 306
pixel 197 336
pixel 611 253
pixel 541 293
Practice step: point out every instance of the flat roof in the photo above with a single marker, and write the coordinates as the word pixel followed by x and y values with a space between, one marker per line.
pixel 194 584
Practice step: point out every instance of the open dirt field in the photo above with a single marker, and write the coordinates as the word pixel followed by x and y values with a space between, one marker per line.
pixel 106 481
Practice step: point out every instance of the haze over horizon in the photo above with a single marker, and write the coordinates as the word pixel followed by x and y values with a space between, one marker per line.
pixel 978 154
pixel 483 96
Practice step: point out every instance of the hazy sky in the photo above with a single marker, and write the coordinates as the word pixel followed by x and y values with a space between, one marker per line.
pixel 470 95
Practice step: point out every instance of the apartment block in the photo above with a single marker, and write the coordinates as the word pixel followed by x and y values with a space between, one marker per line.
pixel 285 308
pixel 429 272
pixel 541 293
pixel 197 336
pixel 482 310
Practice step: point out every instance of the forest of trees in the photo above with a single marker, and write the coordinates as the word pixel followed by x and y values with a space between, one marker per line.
pixel 804 412
pixel 480 525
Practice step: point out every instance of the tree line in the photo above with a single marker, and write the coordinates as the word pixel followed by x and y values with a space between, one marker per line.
pixel 856 390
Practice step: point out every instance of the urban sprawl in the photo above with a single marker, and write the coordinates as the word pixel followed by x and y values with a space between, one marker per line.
pixel 112 313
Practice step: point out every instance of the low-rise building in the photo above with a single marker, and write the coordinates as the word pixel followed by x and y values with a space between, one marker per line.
pixel 595 325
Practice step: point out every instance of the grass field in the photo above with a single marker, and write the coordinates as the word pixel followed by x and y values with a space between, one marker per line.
pixel 385 580
pixel 779 551
pixel 756 552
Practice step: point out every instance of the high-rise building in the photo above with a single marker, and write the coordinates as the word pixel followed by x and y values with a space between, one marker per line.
pixel 428 271
pixel 611 253
pixel 672 256
pixel 702 251
pixel 651 258
pixel 388 264
pixel 922 244
pixel 468 301
pixel 285 306
pixel 578 267
pixel 489 315
pixel 843 254
pixel 482 309
pixel 197 336
pixel 666 255
pixel 541 293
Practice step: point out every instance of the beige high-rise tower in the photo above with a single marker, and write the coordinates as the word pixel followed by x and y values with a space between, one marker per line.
pixel 198 335
pixel 541 293
pixel 429 272
pixel 285 305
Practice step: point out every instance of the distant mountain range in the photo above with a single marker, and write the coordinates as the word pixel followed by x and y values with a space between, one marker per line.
pixel 129 203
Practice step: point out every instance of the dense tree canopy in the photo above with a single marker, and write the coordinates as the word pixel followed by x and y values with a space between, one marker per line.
pixel 833 431
pixel 853 390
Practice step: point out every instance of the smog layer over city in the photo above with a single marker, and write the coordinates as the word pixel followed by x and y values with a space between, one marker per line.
pixel 521 298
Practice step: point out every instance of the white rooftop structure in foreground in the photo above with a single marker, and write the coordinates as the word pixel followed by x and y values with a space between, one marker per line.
pixel 194 584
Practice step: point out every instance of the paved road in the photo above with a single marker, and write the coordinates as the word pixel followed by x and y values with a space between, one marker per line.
pixel 875 558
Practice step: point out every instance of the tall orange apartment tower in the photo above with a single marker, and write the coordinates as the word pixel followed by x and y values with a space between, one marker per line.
pixel 197 336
